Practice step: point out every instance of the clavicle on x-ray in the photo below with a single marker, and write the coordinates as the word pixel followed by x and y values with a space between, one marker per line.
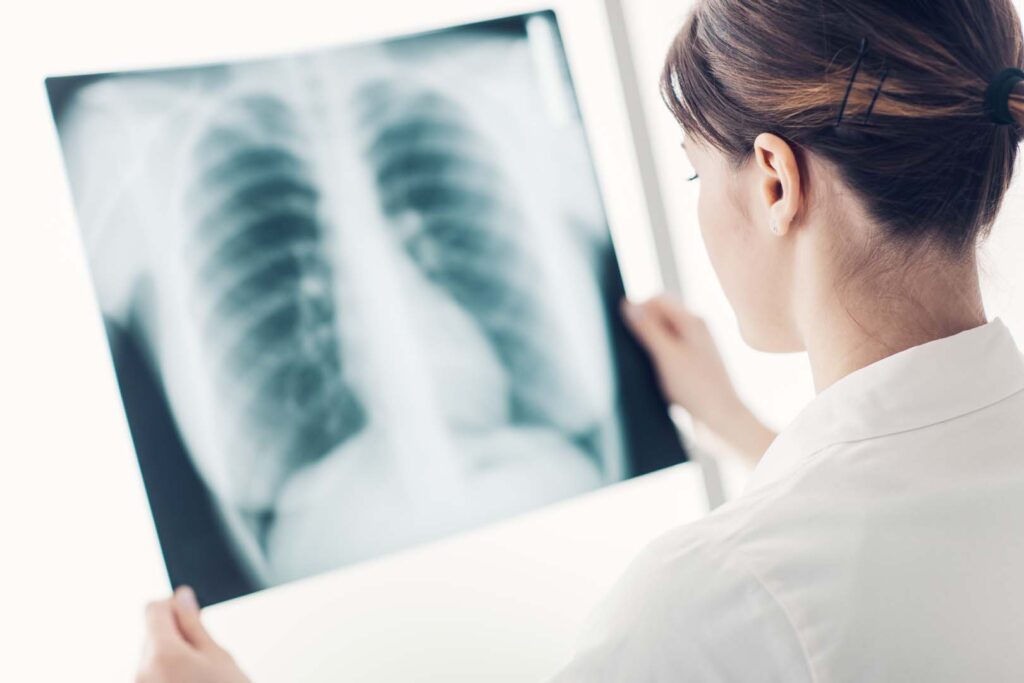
pixel 367 293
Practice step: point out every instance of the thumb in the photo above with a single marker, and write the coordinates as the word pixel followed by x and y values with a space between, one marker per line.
pixel 186 612
pixel 649 327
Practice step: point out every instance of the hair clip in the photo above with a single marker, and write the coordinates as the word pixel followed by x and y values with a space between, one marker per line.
pixel 853 77
pixel 878 90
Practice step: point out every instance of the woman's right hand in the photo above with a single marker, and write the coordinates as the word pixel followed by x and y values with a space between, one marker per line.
pixel 691 372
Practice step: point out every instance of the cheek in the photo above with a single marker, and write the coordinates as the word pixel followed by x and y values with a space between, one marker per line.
pixel 747 265
pixel 722 228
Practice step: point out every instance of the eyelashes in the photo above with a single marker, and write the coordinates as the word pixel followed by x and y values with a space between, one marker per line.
pixel 695 176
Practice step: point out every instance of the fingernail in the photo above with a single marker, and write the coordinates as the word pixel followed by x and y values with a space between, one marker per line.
pixel 187 599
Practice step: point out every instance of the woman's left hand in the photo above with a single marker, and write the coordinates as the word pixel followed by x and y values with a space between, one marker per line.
pixel 179 648
pixel 692 375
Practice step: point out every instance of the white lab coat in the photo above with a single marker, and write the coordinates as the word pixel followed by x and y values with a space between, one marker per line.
pixel 881 538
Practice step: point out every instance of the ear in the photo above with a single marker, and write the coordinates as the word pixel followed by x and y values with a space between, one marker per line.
pixel 780 180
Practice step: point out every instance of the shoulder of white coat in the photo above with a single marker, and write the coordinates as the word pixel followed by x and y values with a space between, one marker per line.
pixel 689 609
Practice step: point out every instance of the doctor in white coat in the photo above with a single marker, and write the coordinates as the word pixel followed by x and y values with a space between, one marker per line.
pixel 851 155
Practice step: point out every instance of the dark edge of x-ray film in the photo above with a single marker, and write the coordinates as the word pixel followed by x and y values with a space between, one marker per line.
pixel 652 436
pixel 195 540
pixel 182 504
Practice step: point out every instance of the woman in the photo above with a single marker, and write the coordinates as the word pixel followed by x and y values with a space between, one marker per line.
pixel 851 156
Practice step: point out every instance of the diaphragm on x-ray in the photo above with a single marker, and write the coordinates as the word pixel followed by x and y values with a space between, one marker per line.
pixel 357 299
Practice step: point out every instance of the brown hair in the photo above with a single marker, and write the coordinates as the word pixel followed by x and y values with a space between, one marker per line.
pixel 928 162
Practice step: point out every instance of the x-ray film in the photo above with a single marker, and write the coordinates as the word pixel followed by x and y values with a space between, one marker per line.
pixel 357 299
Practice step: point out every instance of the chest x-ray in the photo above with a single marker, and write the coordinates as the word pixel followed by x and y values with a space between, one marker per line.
pixel 357 299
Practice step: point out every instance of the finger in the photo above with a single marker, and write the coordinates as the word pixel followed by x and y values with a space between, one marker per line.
pixel 186 613
pixel 675 314
pixel 648 326
pixel 161 626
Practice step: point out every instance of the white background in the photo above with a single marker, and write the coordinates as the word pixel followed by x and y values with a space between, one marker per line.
pixel 77 551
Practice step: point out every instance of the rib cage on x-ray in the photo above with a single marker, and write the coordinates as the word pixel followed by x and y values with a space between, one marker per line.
pixel 455 214
pixel 265 287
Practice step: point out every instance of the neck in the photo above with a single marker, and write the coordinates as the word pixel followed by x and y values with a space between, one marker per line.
pixel 875 317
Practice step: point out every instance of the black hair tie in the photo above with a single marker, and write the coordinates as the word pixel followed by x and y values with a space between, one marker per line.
pixel 997 97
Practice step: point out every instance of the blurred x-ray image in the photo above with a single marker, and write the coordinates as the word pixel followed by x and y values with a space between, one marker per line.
pixel 357 299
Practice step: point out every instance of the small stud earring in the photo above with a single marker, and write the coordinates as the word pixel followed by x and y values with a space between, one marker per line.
pixel 774 227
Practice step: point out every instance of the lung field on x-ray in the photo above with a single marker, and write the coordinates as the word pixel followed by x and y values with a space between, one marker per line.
pixel 457 217
pixel 266 289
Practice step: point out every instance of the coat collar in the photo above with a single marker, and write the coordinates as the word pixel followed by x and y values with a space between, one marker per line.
pixel 920 386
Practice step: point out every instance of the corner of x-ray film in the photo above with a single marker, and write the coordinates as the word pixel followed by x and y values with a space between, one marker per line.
pixel 370 280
